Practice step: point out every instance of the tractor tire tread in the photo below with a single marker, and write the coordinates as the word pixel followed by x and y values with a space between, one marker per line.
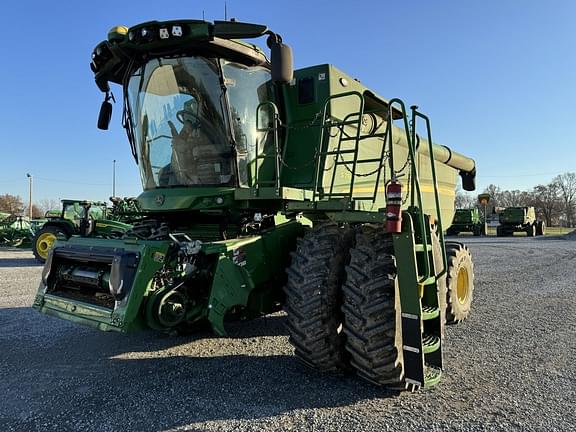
pixel 371 309
pixel 313 297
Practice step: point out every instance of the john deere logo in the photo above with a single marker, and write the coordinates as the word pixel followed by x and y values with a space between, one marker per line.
pixel 159 199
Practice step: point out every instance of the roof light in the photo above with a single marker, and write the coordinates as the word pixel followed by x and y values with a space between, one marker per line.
pixel 164 34
pixel 117 34
pixel 176 31
pixel 147 34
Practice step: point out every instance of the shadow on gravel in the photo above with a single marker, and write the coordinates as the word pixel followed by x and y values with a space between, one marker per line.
pixel 19 262
pixel 52 371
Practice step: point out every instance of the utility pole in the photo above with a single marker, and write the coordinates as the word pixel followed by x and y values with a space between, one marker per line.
pixel 114 178
pixel 30 195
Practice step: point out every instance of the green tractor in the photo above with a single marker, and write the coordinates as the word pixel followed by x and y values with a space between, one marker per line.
pixel 519 219
pixel 467 220
pixel 267 188
pixel 77 217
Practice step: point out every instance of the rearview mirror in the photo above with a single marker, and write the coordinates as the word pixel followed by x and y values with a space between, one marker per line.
pixel 105 115
pixel 281 58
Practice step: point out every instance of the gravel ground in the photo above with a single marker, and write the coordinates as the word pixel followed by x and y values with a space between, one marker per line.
pixel 512 366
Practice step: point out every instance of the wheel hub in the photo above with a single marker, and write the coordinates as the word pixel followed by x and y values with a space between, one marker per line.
pixel 45 243
pixel 462 287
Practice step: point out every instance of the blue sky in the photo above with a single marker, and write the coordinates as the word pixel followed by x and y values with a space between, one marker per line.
pixel 496 78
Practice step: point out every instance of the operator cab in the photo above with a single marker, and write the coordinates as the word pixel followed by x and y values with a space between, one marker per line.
pixel 192 91
pixel 193 120
pixel 83 214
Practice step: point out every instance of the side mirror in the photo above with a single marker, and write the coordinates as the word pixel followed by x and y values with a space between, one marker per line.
pixel 105 115
pixel 281 58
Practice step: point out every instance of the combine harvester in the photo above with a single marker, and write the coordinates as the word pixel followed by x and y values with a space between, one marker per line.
pixel 519 219
pixel 467 220
pixel 237 155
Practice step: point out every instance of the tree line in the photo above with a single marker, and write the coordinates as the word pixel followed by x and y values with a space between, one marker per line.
pixel 13 204
pixel 555 202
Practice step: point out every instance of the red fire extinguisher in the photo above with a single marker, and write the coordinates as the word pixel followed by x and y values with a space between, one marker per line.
pixel 393 204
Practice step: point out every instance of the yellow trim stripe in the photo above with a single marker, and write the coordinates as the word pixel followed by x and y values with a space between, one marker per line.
pixel 423 188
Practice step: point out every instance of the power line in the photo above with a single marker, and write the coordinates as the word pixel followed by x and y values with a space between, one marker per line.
pixel 72 182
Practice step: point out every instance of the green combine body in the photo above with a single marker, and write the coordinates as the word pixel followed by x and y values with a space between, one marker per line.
pixel 519 219
pixel 265 189
pixel 467 220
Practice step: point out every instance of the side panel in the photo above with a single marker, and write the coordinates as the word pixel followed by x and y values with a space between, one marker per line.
pixel 250 274
pixel 305 100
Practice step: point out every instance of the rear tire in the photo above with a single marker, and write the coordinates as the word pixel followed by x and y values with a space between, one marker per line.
pixel 44 241
pixel 314 298
pixel 483 230
pixel 452 231
pixel 498 231
pixel 459 282
pixel 540 228
pixel 531 230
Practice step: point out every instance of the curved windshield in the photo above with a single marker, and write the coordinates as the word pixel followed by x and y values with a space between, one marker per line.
pixel 179 124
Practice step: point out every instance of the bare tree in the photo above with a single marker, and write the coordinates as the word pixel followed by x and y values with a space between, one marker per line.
pixel 547 202
pixel 464 200
pixel 514 198
pixel 567 187
pixel 11 204
pixel 49 204
pixel 495 197
pixel 36 211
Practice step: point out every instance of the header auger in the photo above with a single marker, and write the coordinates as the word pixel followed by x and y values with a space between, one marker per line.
pixel 257 177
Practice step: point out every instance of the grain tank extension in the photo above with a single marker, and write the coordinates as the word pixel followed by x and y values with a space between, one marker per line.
pixel 266 188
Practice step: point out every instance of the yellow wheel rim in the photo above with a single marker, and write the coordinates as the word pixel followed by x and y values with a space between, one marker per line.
pixel 462 287
pixel 44 244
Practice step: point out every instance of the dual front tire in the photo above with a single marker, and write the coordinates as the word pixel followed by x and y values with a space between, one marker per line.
pixel 343 303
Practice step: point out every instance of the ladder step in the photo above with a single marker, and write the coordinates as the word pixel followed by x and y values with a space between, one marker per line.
pixel 430 343
pixel 361 161
pixel 430 281
pixel 432 376
pixel 337 152
pixel 358 162
pixel 352 119
pixel 419 247
pixel 430 312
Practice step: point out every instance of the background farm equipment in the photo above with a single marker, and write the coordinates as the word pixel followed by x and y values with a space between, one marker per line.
pixel 15 231
pixel 467 220
pixel 520 219
pixel 79 217
pixel 124 209
pixel 237 154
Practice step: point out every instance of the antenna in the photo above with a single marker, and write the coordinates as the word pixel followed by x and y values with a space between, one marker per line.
pixel 203 19
pixel 225 11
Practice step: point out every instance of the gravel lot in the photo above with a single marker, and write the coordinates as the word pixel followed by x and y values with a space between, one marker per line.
pixel 512 366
